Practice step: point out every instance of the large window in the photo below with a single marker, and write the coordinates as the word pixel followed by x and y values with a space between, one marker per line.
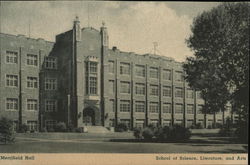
pixel 111 67
pixel 167 91
pixel 153 73
pixel 32 105
pixel 32 82
pixel 139 123
pixel 11 80
pixel 140 70
pixel 190 109
pixel 125 87
pixel 32 59
pixel 166 74
pixel 50 84
pixel 154 90
pixel 179 76
pixel 179 92
pixel 112 86
pixel 50 63
pixel 32 125
pixel 50 105
pixel 124 68
pixel 11 103
pixel 190 93
pixel 139 106
pixel 50 124
pixel 11 57
pixel 140 89
pixel 91 78
pixel 154 107
pixel 167 108
pixel 124 106
pixel 178 108
pixel 126 122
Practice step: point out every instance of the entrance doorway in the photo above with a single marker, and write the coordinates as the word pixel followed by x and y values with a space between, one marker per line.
pixel 88 117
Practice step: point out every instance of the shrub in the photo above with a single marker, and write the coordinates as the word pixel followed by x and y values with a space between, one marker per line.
pixel 60 127
pixel 173 133
pixel 70 128
pixel 51 130
pixel 226 131
pixel 43 130
pixel 6 131
pixel 138 133
pixel 199 126
pixel 23 128
pixel 242 132
pixel 121 127
pixel 148 133
pixel 79 130
pixel 216 125
pixel 209 127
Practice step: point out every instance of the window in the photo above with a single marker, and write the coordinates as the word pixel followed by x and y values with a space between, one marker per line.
pixel 179 76
pixel 153 107
pixel 154 91
pixel 190 122
pixel 111 66
pixel 32 125
pixel 50 106
pixel 139 106
pixel 11 57
pixel 179 92
pixel 190 109
pixel 50 124
pixel 140 89
pixel 124 106
pixel 50 84
pixel 32 60
pixel 32 82
pixel 139 123
pixel 91 67
pixel 166 122
pixel 111 122
pixel 179 122
pixel 125 87
pixel 199 109
pixel 166 74
pixel 92 85
pixel 167 108
pixel 178 108
pixel 112 105
pixel 91 78
pixel 112 86
pixel 50 63
pixel 154 122
pixel 126 122
pixel 190 93
pixel 12 80
pixel 32 104
pixel 12 104
pixel 153 73
pixel 140 70
pixel 124 68
pixel 167 91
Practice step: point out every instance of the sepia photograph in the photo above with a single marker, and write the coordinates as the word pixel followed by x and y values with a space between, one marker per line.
pixel 123 77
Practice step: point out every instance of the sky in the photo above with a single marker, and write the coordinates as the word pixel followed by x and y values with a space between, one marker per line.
pixel 132 26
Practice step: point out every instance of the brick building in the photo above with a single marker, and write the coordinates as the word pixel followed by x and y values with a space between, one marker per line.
pixel 79 80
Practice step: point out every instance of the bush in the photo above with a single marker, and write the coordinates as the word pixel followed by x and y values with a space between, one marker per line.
pixel 209 127
pixel 148 133
pixel 226 131
pixel 242 132
pixel 216 125
pixel 71 128
pixel 51 130
pixel 121 127
pixel 60 127
pixel 79 130
pixel 23 128
pixel 6 131
pixel 199 126
pixel 43 130
pixel 138 133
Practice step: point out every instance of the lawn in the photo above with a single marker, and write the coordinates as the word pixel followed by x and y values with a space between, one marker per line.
pixel 116 143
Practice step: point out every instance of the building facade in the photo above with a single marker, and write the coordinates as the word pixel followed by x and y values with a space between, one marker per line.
pixel 80 81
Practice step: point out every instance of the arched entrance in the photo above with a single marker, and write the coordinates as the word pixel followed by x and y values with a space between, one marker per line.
pixel 88 116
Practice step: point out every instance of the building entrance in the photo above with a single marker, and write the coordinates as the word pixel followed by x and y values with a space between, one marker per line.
pixel 88 117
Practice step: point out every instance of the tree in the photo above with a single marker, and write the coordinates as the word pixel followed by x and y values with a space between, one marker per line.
pixel 220 66
pixel 6 131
